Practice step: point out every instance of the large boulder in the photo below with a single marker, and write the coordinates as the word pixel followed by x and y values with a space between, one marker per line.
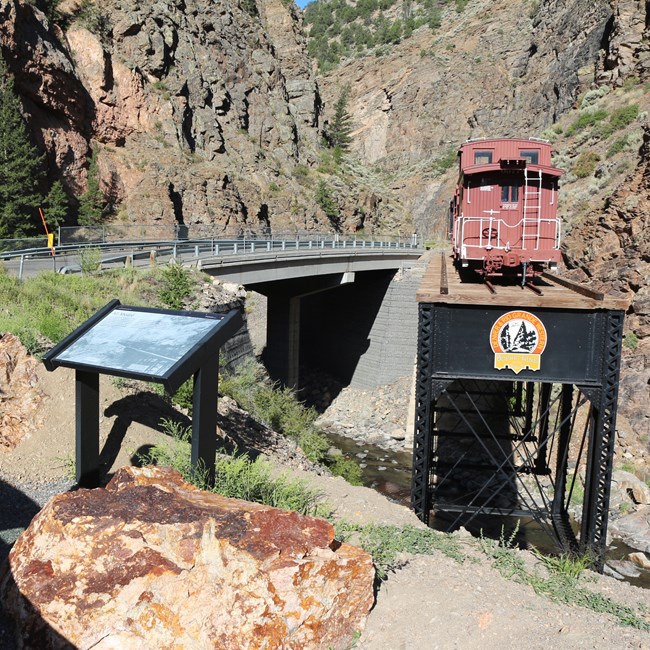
pixel 152 562
pixel 20 396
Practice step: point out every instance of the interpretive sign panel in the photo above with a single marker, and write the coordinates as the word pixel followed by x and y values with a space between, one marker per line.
pixel 156 345
pixel 136 341
pixel 143 343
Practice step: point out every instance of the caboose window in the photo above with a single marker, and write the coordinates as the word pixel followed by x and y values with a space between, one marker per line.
pixel 482 157
pixel 509 193
pixel 531 156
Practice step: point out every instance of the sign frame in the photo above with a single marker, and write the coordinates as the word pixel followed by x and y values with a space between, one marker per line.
pixel 199 359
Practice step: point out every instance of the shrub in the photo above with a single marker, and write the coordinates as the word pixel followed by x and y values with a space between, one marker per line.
pixel 617 146
pixel 631 341
pixel 623 116
pixel 586 163
pixel 278 408
pixel 585 119
pixel 177 286
pixel 592 96
pixel 236 475
pixel 446 161
pixel 90 260
pixel 347 468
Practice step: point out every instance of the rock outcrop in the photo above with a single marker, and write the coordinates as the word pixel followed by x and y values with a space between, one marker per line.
pixel 506 68
pixel 152 562
pixel 189 109
pixel 20 395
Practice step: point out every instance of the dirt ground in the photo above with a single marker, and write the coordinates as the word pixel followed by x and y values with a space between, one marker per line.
pixel 431 602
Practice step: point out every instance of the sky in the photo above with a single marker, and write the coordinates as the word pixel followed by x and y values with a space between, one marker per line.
pixel 302 3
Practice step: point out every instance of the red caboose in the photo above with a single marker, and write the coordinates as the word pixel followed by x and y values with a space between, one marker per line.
pixel 504 212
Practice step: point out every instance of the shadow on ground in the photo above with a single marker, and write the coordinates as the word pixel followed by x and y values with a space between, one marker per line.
pixel 16 513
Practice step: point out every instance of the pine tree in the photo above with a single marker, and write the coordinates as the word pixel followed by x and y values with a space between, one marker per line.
pixel 56 206
pixel 340 127
pixel 91 201
pixel 20 166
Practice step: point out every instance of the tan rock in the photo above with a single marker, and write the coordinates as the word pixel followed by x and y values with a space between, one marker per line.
pixel 639 558
pixel 20 395
pixel 152 562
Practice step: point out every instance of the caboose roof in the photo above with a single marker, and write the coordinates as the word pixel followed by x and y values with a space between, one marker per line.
pixel 497 167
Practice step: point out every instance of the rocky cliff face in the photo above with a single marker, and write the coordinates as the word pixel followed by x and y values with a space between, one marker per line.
pixel 192 111
pixel 505 68
pixel 522 68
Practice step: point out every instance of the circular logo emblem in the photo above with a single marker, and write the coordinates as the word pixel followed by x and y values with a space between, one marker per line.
pixel 518 339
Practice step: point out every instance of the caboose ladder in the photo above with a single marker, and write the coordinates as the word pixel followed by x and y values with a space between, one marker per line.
pixel 532 207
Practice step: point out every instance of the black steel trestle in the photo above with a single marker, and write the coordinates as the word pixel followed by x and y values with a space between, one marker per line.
pixel 537 448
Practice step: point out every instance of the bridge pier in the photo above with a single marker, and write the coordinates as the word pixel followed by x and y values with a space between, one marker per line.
pixel 284 306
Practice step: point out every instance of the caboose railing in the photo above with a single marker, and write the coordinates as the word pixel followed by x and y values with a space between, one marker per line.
pixel 495 233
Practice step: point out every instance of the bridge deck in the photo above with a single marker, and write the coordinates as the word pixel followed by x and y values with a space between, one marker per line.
pixel 442 284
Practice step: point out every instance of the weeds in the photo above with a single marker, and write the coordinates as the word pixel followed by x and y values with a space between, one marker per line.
pixel 69 466
pixel 236 475
pixel 386 542
pixel 562 582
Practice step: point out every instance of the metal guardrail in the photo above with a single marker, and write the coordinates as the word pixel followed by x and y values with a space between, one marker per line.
pixel 69 258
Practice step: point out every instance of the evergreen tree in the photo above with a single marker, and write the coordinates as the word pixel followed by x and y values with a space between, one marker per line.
pixel 20 166
pixel 339 130
pixel 56 206
pixel 328 204
pixel 91 201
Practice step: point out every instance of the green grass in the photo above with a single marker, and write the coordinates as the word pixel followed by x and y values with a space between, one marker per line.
pixel 386 542
pixel 49 306
pixel 237 476
pixel 44 309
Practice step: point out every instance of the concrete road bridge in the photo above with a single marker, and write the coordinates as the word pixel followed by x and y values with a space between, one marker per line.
pixel 342 303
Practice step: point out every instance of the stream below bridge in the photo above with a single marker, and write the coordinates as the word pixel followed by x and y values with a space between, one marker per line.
pixel 389 472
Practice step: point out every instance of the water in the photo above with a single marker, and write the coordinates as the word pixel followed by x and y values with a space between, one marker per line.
pixel 389 472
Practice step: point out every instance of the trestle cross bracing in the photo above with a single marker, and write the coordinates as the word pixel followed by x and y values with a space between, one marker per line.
pixel 516 412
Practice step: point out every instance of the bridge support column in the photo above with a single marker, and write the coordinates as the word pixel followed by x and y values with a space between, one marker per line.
pixel 282 354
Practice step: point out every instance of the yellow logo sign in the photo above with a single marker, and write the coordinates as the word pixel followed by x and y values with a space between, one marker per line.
pixel 518 339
